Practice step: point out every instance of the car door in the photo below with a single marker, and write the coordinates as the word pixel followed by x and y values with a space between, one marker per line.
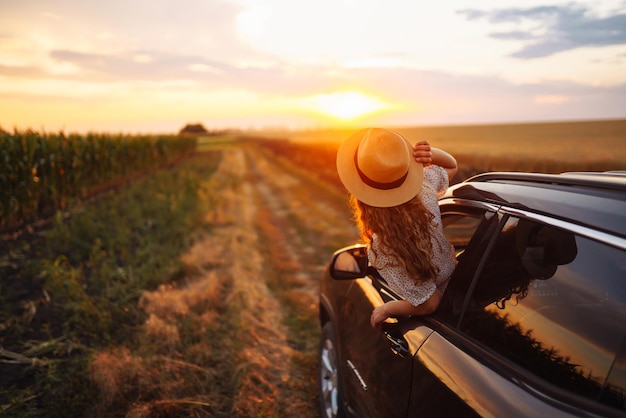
pixel 548 309
pixel 439 384
pixel 540 331
pixel 377 381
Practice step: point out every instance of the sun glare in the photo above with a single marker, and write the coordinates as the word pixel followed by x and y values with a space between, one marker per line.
pixel 347 105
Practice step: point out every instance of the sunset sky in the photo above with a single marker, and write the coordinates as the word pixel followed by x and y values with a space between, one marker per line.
pixel 155 65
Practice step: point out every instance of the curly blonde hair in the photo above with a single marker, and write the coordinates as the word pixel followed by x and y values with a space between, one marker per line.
pixel 404 231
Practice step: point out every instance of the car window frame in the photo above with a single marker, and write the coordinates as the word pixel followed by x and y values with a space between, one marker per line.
pixel 489 226
pixel 593 234
pixel 552 393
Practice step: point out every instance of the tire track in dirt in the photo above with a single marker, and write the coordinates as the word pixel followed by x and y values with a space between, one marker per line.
pixel 300 220
pixel 288 224
pixel 215 343
pixel 260 363
pixel 310 220
pixel 226 300
pixel 313 216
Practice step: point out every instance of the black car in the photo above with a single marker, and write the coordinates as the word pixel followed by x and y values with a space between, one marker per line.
pixel 532 324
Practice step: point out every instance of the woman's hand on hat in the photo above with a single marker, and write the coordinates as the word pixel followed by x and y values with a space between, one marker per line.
pixel 422 152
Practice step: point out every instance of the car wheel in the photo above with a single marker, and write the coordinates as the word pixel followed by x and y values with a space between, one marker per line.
pixel 330 396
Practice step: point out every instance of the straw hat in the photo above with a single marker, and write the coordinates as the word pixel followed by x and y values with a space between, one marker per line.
pixel 377 167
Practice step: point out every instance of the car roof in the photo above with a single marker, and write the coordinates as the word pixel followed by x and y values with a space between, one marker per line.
pixel 592 199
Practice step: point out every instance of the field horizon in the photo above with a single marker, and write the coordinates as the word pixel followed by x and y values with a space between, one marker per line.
pixel 336 134
pixel 597 145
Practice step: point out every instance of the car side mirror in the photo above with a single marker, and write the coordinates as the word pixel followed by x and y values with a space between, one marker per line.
pixel 349 263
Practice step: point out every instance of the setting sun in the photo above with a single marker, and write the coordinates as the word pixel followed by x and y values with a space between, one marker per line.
pixel 346 105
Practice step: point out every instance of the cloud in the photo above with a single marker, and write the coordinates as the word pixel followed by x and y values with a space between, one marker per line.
pixel 201 27
pixel 450 98
pixel 513 35
pixel 136 65
pixel 196 74
pixel 553 29
pixel 142 67
pixel 21 71
pixel 552 99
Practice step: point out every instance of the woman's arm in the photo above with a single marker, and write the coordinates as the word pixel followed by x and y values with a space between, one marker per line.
pixel 425 154
pixel 404 308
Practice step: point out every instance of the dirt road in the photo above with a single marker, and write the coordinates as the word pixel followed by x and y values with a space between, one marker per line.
pixel 300 221
pixel 270 231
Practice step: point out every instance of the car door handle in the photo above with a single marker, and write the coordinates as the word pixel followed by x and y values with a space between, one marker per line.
pixel 398 345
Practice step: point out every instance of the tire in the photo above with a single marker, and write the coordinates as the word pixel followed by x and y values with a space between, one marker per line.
pixel 331 401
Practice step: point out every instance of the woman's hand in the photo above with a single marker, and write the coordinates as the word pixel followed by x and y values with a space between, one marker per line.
pixel 379 314
pixel 425 154
pixel 422 152
pixel 396 308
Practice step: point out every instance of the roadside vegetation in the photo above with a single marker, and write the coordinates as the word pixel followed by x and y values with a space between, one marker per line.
pixel 73 288
pixel 41 172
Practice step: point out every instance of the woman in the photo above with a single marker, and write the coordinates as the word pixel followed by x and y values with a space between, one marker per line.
pixel 394 188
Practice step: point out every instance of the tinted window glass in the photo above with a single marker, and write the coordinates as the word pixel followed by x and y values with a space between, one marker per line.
pixel 555 304
pixel 459 229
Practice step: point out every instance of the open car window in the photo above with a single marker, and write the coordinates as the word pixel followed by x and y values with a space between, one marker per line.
pixel 469 230
pixel 459 228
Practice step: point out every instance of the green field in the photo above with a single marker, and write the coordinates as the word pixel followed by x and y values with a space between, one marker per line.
pixel 215 142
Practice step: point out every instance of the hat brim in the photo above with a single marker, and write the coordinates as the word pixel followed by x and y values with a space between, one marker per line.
pixel 347 170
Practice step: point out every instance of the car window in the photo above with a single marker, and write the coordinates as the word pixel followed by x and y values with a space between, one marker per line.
pixel 555 303
pixel 469 231
pixel 459 229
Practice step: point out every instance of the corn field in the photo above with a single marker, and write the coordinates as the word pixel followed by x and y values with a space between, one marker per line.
pixel 40 172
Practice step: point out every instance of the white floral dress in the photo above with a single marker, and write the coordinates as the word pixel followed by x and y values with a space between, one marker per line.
pixel 435 182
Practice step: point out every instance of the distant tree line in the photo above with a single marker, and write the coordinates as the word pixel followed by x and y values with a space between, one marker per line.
pixel 197 129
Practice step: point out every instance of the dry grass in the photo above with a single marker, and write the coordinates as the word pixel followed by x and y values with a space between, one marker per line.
pixel 181 366
pixel 302 219
pixel 139 386
pixel 215 343
pixel 538 147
